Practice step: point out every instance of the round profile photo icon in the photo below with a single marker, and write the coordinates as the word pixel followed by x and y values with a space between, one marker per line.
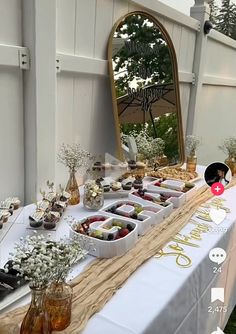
pixel 218 172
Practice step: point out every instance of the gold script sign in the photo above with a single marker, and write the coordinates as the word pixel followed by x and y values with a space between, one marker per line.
pixel 181 258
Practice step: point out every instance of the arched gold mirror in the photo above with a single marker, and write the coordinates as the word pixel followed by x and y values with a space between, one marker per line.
pixel 145 88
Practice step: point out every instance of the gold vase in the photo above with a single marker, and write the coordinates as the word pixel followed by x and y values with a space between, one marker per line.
pixel 231 163
pixel 58 304
pixel 191 164
pixel 73 189
pixel 36 320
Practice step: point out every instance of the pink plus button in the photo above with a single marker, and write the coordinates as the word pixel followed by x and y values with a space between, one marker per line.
pixel 217 188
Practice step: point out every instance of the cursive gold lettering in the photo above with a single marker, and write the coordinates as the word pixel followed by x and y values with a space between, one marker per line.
pixel 181 260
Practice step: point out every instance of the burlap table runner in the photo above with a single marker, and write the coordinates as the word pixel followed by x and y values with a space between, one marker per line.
pixel 101 279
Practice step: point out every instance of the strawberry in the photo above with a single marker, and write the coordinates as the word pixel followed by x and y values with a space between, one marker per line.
pixel 148 198
pixel 123 232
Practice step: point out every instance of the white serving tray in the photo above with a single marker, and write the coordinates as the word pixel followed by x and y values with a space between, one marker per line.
pixel 104 248
pixel 166 211
pixel 173 184
pixel 189 194
pixel 116 194
pixel 6 226
pixel 14 296
pixel 177 198
pixel 150 217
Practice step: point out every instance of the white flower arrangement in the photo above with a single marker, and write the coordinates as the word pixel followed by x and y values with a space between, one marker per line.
pixel 41 260
pixel 148 146
pixel 74 157
pixel 192 143
pixel 229 146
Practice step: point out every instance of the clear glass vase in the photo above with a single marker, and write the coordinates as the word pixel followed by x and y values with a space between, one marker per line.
pixel 93 195
pixel 73 189
pixel 191 164
pixel 58 303
pixel 36 320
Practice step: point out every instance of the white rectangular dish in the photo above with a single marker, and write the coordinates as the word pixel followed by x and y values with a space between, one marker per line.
pixel 105 248
pixel 152 187
pixel 173 185
pixel 5 228
pixel 166 210
pixel 176 197
pixel 147 214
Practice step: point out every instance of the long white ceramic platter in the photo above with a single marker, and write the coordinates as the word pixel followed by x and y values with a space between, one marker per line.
pixel 14 296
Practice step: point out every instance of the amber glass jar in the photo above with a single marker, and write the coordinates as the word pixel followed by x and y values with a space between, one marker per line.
pixel 58 304
pixel 191 164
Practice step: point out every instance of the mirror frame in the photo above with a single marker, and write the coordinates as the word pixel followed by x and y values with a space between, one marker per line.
pixel 169 42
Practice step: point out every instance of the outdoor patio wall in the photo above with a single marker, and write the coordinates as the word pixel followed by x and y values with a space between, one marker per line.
pixel 11 110
pixel 216 118
pixel 84 106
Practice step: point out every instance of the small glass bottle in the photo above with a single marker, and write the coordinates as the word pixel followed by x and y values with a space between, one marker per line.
pixel 93 195
pixel 73 189
pixel 58 303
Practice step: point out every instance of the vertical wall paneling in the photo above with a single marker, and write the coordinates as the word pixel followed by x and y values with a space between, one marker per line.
pixel 11 97
pixel 11 134
pixel 191 51
pixel 102 114
pixel 83 84
pixel 176 38
pixel 104 16
pixel 64 120
pixel 10 22
pixel 184 51
pixel 121 8
pixel 39 94
pixel 65 43
pixel 169 27
pixel 65 25
pixel 184 98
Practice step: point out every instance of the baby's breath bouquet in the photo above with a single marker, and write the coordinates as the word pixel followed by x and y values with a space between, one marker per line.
pixel 229 147
pixel 74 157
pixel 45 263
pixel 67 253
pixel 192 143
pixel 148 146
pixel 41 260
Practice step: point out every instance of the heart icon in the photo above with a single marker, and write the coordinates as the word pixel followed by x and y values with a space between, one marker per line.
pixel 217 215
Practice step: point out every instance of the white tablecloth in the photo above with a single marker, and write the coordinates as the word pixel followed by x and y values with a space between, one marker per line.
pixel 161 297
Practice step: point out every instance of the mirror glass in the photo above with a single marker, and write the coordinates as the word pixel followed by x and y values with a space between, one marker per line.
pixel 144 77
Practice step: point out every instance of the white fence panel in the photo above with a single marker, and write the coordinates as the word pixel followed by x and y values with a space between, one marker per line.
pixel 215 121
pixel 220 58
pixel 11 97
